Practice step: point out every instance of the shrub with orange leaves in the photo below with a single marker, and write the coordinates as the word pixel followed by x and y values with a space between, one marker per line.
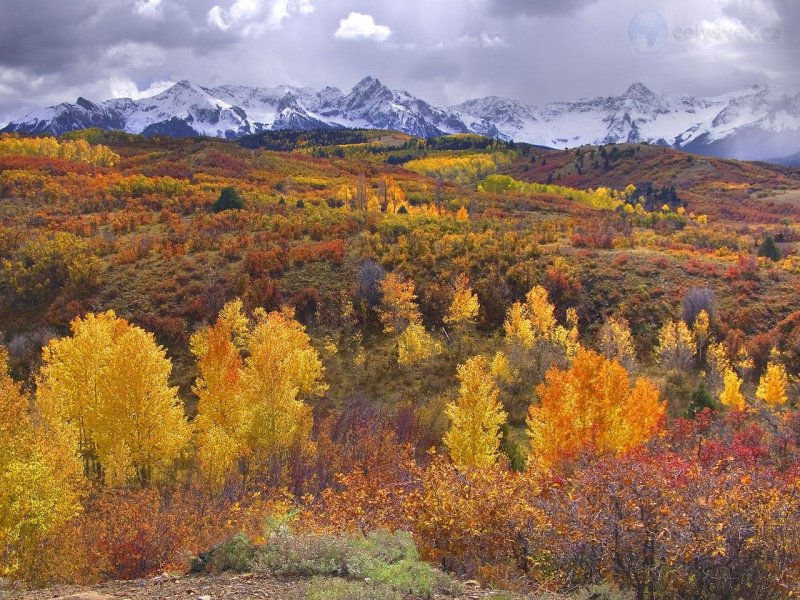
pixel 473 522
pixel 364 500
pixel 128 534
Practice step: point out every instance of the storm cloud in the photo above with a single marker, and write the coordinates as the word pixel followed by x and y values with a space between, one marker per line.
pixel 445 51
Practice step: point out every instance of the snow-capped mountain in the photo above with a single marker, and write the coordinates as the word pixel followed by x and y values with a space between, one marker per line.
pixel 753 123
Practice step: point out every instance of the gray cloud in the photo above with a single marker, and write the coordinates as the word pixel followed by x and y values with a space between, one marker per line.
pixel 537 8
pixel 445 51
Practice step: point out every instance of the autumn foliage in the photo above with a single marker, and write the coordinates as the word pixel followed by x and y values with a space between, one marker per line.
pixel 591 407
pixel 548 378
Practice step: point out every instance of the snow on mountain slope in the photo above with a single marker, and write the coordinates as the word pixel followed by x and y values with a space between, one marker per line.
pixel 755 123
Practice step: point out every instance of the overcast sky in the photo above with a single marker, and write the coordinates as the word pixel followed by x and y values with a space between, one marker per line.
pixel 443 50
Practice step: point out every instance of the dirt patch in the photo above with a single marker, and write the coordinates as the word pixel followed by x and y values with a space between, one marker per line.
pixel 229 586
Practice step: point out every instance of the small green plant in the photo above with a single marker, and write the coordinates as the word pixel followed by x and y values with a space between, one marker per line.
pixel 234 554
pixel 413 578
pixel 386 559
pixel 307 555
pixel 593 592
pixel 342 589
pixel 700 399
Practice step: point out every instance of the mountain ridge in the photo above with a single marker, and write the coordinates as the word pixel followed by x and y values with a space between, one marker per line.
pixel 754 123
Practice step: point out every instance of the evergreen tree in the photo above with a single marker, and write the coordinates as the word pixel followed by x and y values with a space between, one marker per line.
pixel 769 249
pixel 229 199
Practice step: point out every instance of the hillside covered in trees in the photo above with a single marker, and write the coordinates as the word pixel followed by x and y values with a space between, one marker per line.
pixel 552 369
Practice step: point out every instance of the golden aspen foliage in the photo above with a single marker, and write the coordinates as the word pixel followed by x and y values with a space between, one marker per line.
pixel 108 384
pixel 345 195
pixel 676 346
pixel 616 342
pixel 398 307
pixel 541 312
pixel 501 368
pixel 78 150
pixel 773 384
pixel 222 415
pixel 281 369
pixel 38 479
pixel 718 364
pixel 730 395
pixel 534 339
pixel 534 320
pixel 475 417
pixel 462 214
pixel 415 345
pixel 701 331
pixel 463 310
pixel 744 363
pixel 518 327
pixel 591 407
pixel 395 196
pixel 373 203
pixel 572 338
pixel 461 169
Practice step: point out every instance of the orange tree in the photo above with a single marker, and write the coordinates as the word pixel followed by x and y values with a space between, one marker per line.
pixel 591 406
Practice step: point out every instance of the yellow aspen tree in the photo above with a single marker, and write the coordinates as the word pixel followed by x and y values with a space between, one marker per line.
pixel 222 415
pixel 676 346
pixel 616 342
pixel 475 417
pixel 518 327
pixel 718 364
pixel 534 320
pixel 109 384
pixel 282 368
pixel 773 384
pixel 39 477
pixel 590 406
pixel 395 196
pixel 373 202
pixel 730 395
pixel 398 306
pixel 541 312
pixel 462 214
pixel 415 345
pixel 534 340
pixel 463 309
pixel 572 339
pixel 744 364
pixel 701 331
pixel 501 368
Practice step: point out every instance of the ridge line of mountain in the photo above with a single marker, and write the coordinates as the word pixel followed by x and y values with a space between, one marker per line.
pixel 754 123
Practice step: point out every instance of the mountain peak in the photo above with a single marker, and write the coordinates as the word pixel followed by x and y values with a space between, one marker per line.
pixel 183 86
pixel 87 104
pixel 368 83
pixel 639 90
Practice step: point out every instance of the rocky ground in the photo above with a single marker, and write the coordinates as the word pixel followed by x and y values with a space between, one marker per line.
pixel 196 587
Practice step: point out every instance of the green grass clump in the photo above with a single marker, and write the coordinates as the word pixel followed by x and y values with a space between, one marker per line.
pixel 413 578
pixel 321 588
pixel 235 554
pixel 303 556
pixel 387 560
